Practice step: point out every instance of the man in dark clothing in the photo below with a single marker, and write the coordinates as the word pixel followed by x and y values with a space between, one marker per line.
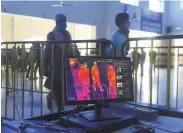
pixel 54 64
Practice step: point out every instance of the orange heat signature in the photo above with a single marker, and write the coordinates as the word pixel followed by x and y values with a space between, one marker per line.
pixel 73 61
pixel 96 76
pixel 84 78
pixel 111 76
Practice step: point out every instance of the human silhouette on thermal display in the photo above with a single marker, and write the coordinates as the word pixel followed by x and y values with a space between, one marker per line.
pixel 84 78
pixel 96 78
pixel 74 69
pixel 111 76
pixel 81 79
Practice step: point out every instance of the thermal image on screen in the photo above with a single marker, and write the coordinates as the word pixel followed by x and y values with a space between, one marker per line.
pixel 90 80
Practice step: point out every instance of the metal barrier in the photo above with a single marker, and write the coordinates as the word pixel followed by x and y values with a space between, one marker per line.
pixel 19 73
pixel 15 86
pixel 164 56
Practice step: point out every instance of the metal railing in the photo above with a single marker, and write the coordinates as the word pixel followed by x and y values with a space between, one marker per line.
pixel 164 58
pixel 16 88
pixel 19 73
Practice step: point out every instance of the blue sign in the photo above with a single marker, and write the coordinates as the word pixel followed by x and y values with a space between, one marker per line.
pixel 151 21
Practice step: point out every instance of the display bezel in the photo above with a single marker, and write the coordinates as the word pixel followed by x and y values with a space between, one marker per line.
pixel 98 100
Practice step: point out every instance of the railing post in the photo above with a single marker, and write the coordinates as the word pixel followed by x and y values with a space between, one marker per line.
pixel 168 75
pixel 150 72
pixel 158 76
pixel 74 51
pixel 177 95
pixel 63 80
pixel 14 66
pixel 113 52
pixel 100 49
pixel 32 88
pixel 41 67
pixel 28 63
pixel 87 49
pixel 2 67
pixel 17 75
pixel 141 78
pixel 7 81
pixel 52 74
pixel 135 67
pixel 23 89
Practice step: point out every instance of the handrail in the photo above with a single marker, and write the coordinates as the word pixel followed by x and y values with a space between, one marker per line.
pixel 73 41
pixel 99 40
pixel 160 47
pixel 157 38
pixel 154 38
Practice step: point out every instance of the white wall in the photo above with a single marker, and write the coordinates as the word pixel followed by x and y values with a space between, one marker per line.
pixel 175 16
pixel 90 13
pixel 98 13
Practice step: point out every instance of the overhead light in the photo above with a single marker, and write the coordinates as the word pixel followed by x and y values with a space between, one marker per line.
pixel 178 28
pixel 62 4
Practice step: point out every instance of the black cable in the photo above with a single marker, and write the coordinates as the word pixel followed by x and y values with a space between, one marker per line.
pixel 29 125
pixel 78 107
pixel 82 107
pixel 144 128
pixel 76 111
pixel 139 128
pixel 157 126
